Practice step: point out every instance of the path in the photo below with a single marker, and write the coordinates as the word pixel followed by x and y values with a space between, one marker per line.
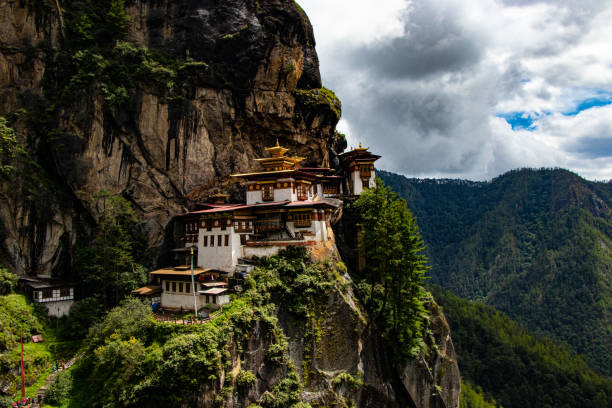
pixel 41 391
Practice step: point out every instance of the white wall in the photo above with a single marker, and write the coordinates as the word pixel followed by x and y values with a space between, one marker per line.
pixel 253 197
pixel 218 257
pixel 58 308
pixel 284 194
pixel 260 251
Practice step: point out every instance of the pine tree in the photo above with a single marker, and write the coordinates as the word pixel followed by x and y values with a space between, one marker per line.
pixel 395 266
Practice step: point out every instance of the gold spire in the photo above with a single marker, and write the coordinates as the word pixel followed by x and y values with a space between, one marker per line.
pixel 277 151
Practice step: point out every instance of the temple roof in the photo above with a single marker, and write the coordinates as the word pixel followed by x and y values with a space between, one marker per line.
pixel 358 154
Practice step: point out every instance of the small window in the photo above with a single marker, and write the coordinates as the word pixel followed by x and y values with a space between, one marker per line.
pixel 167 286
pixel 64 292
pixel 302 219
pixel 365 183
pixel 180 287
pixel 243 239
pixel 267 192
pixel 208 225
pixel 223 225
pixel 227 240
pixel 212 240
pixel 219 238
pixel 302 192
pixel 187 288
pixel 205 242
pixel 47 293
pixel 174 286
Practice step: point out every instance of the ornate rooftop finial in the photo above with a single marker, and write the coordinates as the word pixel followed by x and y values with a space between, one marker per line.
pixel 360 145
pixel 277 145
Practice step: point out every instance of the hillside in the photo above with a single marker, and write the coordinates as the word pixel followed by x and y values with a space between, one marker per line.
pixel 536 244
pixel 516 368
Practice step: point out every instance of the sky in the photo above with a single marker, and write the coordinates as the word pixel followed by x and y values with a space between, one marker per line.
pixel 471 88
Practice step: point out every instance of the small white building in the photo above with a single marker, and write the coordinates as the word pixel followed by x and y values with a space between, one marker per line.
pixel 55 296
pixel 177 288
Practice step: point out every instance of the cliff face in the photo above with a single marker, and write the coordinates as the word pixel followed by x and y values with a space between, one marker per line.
pixel 162 150
pixel 346 365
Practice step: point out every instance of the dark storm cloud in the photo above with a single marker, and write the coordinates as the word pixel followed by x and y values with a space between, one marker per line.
pixel 433 42
pixel 593 147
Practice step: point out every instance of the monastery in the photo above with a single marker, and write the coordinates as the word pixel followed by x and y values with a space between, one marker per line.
pixel 286 204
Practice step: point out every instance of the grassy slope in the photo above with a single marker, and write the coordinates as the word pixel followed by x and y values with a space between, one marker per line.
pixel 535 244
pixel 17 317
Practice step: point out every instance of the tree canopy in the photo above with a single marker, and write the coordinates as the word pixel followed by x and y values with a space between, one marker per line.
pixel 394 267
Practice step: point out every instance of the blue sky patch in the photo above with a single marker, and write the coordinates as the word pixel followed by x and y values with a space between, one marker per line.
pixel 589 103
pixel 520 120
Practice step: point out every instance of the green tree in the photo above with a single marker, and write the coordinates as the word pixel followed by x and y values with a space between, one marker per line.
pixel 395 266
pixel 8 281
pixel 107 266
pixel 9 148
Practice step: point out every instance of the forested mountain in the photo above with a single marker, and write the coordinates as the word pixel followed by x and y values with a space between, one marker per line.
pixel 536 244
pixel 514 367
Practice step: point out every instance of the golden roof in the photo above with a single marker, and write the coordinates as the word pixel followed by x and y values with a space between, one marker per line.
pixel 277 151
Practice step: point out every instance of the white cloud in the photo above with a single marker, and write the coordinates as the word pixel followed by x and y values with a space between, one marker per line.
pixel 422 82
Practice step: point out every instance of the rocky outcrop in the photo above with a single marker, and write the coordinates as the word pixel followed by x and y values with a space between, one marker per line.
pixel 161 151
pixel 346 364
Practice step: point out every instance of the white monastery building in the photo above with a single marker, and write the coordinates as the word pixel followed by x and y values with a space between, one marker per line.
pixel 286 204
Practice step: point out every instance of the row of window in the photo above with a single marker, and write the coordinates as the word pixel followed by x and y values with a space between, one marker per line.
pixel 302 220
pixel 48 293
pixel 222 240
pixel 267 192
pixel 182 287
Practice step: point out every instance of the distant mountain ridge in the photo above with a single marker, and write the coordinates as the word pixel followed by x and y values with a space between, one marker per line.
pixel 536 244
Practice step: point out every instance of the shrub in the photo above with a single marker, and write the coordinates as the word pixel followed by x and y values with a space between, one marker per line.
pixel 60 389
pixel 245 379
pixel 8 281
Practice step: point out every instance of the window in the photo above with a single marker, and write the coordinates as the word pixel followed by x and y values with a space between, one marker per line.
pixel 330 189
pixel 205 243
pixel 180 286
pixel 365 183
pixel 47 293
pixel 227 240
pixel 208 225
pixel 174 286
pixel 302 192
pixel 267 192
pixel 302 219
pixel 167 286
pixel 187 288
pixel 219 238
pixel 243 239
pixel 212 240
pixel 223 225
pixel 64 292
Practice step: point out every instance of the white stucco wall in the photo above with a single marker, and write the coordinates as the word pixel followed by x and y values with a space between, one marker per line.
pixel 253 197
pixel 58 308
pixel 260 251
pixel 284 194
pixel 218 257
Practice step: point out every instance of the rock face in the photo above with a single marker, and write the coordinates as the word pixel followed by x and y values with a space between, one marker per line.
pixel 348 365
pixel 162 153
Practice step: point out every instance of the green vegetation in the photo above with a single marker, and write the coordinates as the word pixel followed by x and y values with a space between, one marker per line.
pixel 471 397
pixel 106 266
pixel 8 281
pixel 313 98
pixel 18 319
pixel 513 366
pixel 9 148
pixel 392 281
pixel 536 244
pixel 132 360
